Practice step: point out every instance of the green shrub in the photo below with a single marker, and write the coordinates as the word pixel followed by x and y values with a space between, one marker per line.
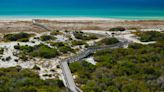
pixel 135 46
pixel 65 49
pixel 16 79
pixel 44 51
pixel 23 57
pixel 78 35
pixel 57 44
pixel 36 67
pixel 24 40
pixel 75 43
pixel 37 51
pixel 23 37
pixel 151 36
pixel 133 69
pixel 92 37
pixel 56 32
pixel 83 36
pixel 108 41
pixel 26 48
pixel 117 29
pixel 47 37
pixel 1 50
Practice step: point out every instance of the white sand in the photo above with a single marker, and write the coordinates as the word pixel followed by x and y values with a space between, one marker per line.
pixel 47 64
pixel 8 19
pixel 61 38
pixel 91 60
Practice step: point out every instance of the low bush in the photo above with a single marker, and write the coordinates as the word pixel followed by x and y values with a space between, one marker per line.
pixel 37 51
pixel 138 68
pixel 91 37
pixel 16 79
pixel 57 44
pixel 117 29
pixel 56 32
pixel 44 51
pixel 47 37
pixel 1 50
pixel 151 36
pixel 78 35
pixel 65 49
pixel 62 47
pixel 24 40
pixel 83 36
pixel 108 41
pixel 36 67
pixel 22 37
pixel 23 56
pixel 75 43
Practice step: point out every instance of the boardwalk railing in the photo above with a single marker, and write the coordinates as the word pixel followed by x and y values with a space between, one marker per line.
pixel 41 25
pixel 67 72
pixel 91 50
pixel 64 63
pixel 68 77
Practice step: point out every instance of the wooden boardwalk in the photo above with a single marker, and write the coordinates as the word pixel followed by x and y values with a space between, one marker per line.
pixel 67 72
pixel 70 84
pixel 34 21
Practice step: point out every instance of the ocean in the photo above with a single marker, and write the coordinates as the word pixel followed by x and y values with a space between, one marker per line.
pixel 118 9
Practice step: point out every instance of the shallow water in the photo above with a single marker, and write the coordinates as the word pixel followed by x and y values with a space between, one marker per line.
pixel 119 9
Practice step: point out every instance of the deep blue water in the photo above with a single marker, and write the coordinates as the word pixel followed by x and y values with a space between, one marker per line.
pixel 124 9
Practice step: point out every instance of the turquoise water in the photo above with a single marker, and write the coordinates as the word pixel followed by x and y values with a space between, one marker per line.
pixel 119 9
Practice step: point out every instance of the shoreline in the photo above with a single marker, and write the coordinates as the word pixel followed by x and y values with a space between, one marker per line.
pixel 56 18
pixel 29 18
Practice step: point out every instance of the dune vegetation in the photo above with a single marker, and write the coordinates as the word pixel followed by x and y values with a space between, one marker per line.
pixel 150 36
pixel 117 29
pixel 139 68
pixel 40 50
pixel 22 37
pixel 108 41
pixel 16 79
pixel 83 36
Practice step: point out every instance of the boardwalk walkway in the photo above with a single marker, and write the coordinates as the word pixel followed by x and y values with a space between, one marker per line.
pixel 64 63
pixel 68 77
pixel 34 21
pixel 65 68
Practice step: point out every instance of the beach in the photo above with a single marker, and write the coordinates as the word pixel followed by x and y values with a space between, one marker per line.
pixel 76 23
